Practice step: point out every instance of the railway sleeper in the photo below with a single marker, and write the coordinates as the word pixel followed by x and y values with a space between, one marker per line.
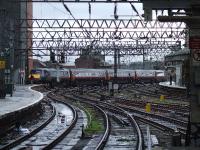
pixel 176 121
pixel 120 121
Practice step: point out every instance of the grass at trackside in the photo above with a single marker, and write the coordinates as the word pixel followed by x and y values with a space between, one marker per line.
pixel 94 125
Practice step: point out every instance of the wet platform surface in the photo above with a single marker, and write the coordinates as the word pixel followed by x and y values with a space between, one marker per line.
pixel 23 97
pixel 167 84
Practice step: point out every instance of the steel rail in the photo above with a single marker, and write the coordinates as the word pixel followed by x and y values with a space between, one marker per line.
pixel 103 141
pixel 105 137
pixel 155 124
pixel 140 142
pixel 175 121
pixel 22 139
pixel 65 132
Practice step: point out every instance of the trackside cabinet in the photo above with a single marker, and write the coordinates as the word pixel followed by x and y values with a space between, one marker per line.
pixel 6 84
pixel 7 72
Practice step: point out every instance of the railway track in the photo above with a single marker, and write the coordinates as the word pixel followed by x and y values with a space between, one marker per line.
pixel 35 129
pixel 159 118
pixel 182 111
pixel 121 135
pixel 51 132
pixel 155 91
pixel 169 126
pixel 118 116
pixel 55 135
pixel 172 123
pixel 97 141
pixel 158 110
pixel 116 110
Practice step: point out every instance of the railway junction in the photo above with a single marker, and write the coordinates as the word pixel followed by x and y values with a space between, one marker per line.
pixel 100 74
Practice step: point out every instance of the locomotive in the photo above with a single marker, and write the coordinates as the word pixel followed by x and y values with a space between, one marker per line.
pixel 94 76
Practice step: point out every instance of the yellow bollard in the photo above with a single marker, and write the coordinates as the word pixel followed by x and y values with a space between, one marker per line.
pixel 162 97
pixel 148 107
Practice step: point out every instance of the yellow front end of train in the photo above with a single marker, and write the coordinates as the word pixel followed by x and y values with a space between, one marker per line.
pixel 35 76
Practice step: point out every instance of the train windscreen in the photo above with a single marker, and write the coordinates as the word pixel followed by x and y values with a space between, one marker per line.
pixel 35 71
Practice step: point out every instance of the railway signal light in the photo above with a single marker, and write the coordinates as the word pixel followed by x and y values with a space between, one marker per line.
pixel 62 57
pixel 52 57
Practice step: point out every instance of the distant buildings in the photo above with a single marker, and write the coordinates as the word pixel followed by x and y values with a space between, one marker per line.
pixel 90 59
pixel 17 40
pixel 158 65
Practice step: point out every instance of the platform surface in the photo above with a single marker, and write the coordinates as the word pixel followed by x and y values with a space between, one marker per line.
pixel 23 97
pixel 167 84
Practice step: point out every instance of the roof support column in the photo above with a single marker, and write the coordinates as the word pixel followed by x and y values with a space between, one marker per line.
pixel 193 23
pixel 194 45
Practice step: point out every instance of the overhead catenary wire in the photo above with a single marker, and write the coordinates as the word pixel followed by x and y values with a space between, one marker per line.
pixel 90 10
pixel 115 12
pixel 68 10
pixel 89 5
pixel 57 8
pixel 134 9
pixel 142 21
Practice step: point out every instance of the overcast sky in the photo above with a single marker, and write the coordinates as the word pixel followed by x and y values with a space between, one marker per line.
pixel 81 10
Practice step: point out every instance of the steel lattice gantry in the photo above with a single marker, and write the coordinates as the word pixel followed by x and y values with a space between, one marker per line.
pixel 132 37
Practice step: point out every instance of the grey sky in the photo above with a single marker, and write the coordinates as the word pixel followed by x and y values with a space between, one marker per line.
pixel 56 10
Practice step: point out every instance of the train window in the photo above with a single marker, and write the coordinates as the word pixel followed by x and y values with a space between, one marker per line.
pixel 34 71
pixel 66 73
pixel 53 73
pixel 46 73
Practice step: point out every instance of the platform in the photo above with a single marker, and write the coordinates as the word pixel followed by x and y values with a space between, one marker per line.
pixel 23 98
pixel 167 84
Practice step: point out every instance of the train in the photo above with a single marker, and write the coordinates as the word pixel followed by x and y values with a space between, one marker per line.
pixel 69 77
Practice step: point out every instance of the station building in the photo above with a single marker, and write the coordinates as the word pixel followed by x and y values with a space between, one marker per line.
pixel 15 42
pixel 177 64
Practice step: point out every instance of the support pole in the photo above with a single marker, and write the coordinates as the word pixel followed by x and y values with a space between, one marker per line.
pixel 118 54
pixel 143 65
pixel 115 64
